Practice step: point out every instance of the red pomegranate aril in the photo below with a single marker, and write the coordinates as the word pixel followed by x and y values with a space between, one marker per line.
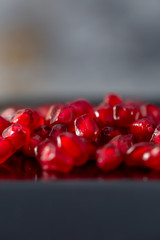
pixel 108 157
pixel 112 99
pixel 6 150
pixel 104 116
pixel 3 124
pixel 125 115
pixel 43 131
pixel 52 158
pixel 142 130
pixel 81 107
pixel 74 146
pixel 85 126
pixel 151 158
pixel 43 110
pixel 17 134
pixel 56 131
pixel 64 115
pixel 134 155
pixel 33 141
pixel 152 111
pixel 123 142
pixel 156 135
pixel 28 118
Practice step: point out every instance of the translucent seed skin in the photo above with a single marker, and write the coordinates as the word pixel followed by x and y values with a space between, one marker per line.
pixel 112 99
pixel 142 129
pixel 156 135
pixel 51 157
pixel 85 126
pixel 108 157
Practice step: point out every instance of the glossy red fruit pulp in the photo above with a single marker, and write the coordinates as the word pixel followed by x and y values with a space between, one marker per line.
pixel 108 133
pixel 85 126
pixel 134 155
pixel 28 118
pixel 74 146
pixel 112 99
pixel 81 107
pixel 63 115
pixel 17 134
pixel 124 115
pixel 56 131
pixel 142 129
pixel 123 142
pixel 6 149
pixel 151 158
pixel 104 116
pixel 43 131
pixel 29 146
pixel 52 158
pixel 108 157
pixel 151 111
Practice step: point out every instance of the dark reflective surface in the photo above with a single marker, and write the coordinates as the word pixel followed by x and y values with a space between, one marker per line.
pixel 20 167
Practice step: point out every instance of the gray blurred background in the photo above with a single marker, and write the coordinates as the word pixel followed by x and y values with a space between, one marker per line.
pixel 69 48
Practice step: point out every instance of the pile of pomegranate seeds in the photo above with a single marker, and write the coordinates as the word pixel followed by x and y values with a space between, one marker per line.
pixel 63 136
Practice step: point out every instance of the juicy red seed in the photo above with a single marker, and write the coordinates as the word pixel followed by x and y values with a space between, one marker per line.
pixel 74 146
pixel 108 157
pixel 104 116
pixel 156 135
pixel 112 99
pixel 125 115
pixel 142 129
pixel 43 131
pixel 134 155
pixel 64 115
pixel 56 131
pixel 17 134
pixel 122 142
pixel 52 158
pixel 6 150
pixel 85 126
pixel 152 111
pixel 3 124
pixel 29 146
pixel 28 118
pixel 151 158
pixel 81 107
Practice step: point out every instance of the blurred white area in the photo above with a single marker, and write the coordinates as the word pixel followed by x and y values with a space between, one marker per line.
pixel 79 48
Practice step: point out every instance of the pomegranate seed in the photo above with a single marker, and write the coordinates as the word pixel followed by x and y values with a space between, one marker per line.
pixel 108 157
pixel 112 99
pixel 122 142
pixel 134 155
pixel 151 158
pixel 29 146
pixel 64 115
pixel 152 111
pixel 52 158
pixel 56 131
pixel 104 116
pixel 82 107
pixel 156 135
pixel 17 134
pixel 74 147
pixel 125 115
pixel 3 124
pixel 142 129
pixel 85 126
pixel 43 131
pixel 43 110
pixel 6 150
pixel 28 118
